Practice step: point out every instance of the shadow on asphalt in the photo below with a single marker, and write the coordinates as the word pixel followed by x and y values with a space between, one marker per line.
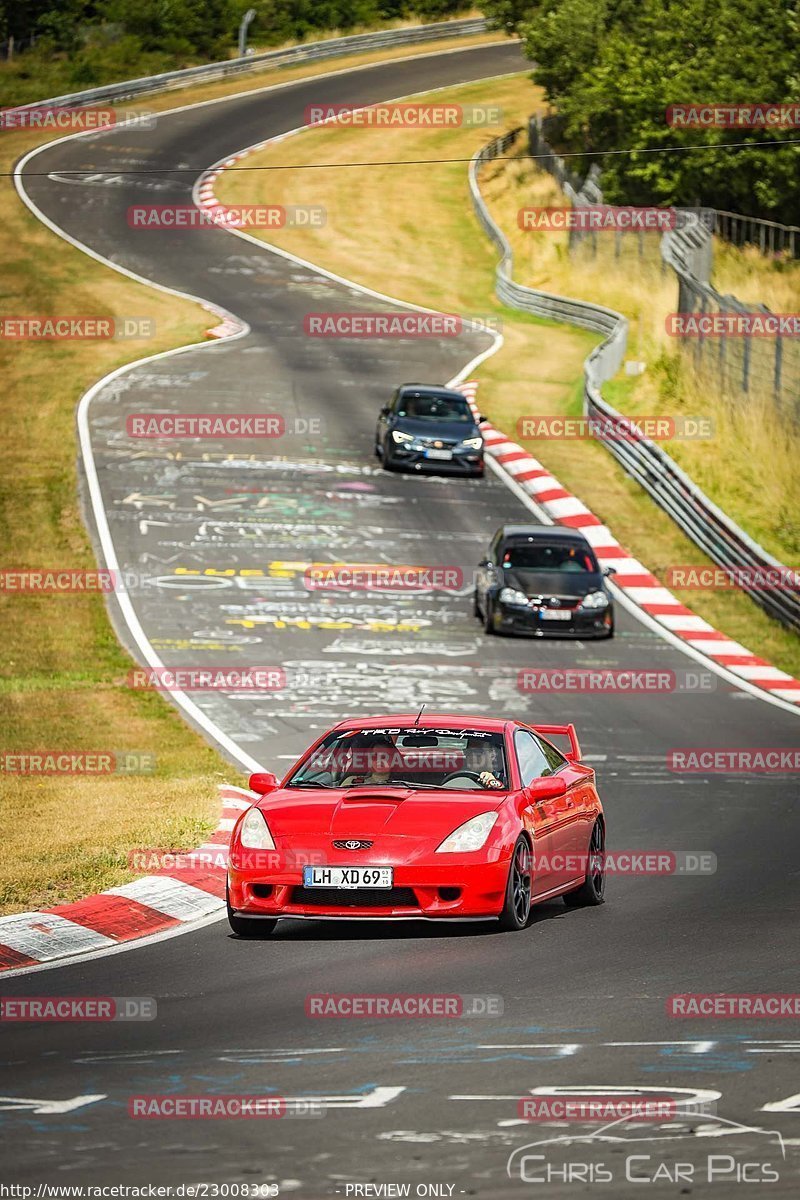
pixel 376 930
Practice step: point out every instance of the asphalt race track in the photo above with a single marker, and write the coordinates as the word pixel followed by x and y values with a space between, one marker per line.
pixel 583 991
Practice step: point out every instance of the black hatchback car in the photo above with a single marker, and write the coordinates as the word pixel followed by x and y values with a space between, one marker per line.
pixel 426 427
pixel 543 581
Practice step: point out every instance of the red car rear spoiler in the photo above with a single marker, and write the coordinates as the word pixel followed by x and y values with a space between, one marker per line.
pixel 548 731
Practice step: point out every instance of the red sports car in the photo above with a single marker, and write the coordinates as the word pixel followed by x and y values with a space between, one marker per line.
pixel 442 817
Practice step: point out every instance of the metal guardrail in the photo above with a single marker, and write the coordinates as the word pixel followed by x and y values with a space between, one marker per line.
pixel 308 52
pixel 671 488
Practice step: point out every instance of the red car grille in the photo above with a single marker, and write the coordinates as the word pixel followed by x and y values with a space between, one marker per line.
pixel 354 898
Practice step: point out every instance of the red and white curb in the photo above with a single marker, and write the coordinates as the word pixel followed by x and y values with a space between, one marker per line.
pixel 634 579
pixel 228 326
pixel 191 889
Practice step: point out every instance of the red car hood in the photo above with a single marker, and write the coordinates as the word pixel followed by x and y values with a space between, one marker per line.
pixel 367 812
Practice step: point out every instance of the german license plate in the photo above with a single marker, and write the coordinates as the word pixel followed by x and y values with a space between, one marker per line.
pixel 554 614
pixel 347 877
pixel 444 455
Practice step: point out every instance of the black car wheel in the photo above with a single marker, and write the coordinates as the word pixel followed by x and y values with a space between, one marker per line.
pixel 517 908
pixel 592 890
pixel 248 927
pixel 488 616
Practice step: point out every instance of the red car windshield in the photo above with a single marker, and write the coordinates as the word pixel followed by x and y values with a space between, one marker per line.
pixel 453 759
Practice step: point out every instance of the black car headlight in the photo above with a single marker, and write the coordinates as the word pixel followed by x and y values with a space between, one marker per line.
pixel 595 600
pixel 511 596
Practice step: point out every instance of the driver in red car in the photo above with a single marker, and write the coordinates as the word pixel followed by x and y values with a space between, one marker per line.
pixel 484 759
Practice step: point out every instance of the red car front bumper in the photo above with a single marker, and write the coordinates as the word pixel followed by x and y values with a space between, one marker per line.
pixel 457 888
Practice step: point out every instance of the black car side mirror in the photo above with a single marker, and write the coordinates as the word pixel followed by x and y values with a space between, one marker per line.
pixel 480 419
pixel 385 410
pixel 609 570
pixel 484 563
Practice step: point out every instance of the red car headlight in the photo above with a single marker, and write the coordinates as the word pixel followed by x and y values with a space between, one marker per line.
pixel 471 835
pixel 254 832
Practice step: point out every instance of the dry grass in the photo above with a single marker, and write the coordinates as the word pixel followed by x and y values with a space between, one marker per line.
pixel 539 368
pixel 61 669
pixel 755 278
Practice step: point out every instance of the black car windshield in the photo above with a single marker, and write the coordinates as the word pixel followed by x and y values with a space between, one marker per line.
pixel 548 556
pixel 435 408
pixel 420 758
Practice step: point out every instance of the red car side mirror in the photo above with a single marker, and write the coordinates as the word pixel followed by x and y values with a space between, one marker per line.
pixel 548 788
pixel 263 782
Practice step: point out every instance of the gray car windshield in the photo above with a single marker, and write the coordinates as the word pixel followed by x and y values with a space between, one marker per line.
pixel 435 408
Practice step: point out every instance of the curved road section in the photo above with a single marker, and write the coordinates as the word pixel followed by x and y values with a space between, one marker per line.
pixel 220 534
